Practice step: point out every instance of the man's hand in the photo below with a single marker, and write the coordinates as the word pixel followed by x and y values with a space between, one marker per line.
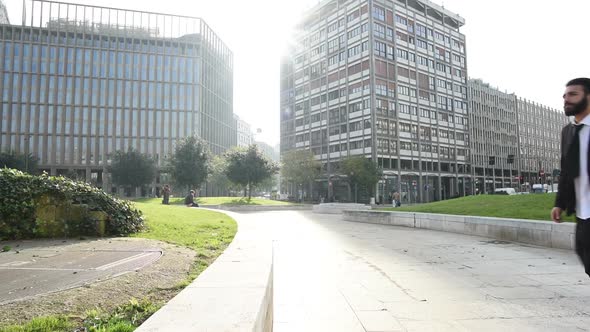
pixel 556 214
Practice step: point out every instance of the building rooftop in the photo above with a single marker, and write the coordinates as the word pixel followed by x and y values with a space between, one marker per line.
pixel 434 11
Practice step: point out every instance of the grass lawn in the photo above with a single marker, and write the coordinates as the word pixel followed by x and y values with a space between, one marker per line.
pixel 532 206
pixel 222 201
pixel 206 232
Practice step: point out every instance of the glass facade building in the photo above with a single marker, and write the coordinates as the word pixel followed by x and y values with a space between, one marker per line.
pixel 80 82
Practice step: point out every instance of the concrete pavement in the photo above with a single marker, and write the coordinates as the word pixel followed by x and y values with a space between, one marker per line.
pixel 33 268
pixel 333 275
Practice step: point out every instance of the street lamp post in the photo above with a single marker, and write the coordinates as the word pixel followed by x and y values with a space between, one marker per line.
pixel 27 136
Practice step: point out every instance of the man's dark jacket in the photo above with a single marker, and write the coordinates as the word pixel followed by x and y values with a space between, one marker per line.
pixel 566 195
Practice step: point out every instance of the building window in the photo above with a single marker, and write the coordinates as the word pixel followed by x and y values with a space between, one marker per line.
pixel 379 31
pixel 380 49
pixel 379 13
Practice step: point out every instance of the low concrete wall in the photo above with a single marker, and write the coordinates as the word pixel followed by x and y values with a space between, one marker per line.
pixel 542 233
pixel 233 294
pixel 258 208
pixel 338 208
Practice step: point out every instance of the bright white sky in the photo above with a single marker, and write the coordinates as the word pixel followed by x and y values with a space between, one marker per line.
pixel 530 47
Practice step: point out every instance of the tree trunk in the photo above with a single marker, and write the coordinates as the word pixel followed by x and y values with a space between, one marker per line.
pixel 249 190
pixel 245 188
pixel 355 193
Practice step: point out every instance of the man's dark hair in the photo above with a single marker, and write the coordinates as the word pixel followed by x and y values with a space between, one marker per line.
pixel 583 81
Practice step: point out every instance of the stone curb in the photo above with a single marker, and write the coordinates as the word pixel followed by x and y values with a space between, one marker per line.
pixel 233 294
pixel 541 233
pixel 338 208
pixel 257 208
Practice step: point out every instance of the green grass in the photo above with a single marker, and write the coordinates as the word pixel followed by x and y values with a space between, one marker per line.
pixel 49 323
pixel 189 227
pixel 125 318
pixel 221 201
pixel 206 232
pixel 532 206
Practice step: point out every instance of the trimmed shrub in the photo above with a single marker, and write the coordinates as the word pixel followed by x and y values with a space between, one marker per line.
pixel 45 206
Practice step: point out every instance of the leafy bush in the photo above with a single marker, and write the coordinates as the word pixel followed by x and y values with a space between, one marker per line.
pixel 21 194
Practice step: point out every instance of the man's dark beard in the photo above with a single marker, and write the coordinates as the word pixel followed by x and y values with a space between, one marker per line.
pixel 577 108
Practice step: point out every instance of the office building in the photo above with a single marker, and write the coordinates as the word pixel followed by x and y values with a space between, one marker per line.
pixel 244 134
pixel 514 142
pixel 80 82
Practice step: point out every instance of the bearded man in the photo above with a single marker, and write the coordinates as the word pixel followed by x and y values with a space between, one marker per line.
pixel 574 181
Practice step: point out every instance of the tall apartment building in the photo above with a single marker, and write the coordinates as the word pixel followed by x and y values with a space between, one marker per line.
pixel 385 80
pixel 80 82
pixel 3 14
pixel 520 137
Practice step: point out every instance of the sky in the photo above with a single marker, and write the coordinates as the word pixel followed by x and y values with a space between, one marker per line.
pixel 529 47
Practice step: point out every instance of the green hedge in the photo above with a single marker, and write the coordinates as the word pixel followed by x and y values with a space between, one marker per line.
pixel 22 195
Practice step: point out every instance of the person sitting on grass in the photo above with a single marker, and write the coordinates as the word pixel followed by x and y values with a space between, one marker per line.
pixel 189 200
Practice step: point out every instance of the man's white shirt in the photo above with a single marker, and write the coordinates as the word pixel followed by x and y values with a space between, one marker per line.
pixel 582 182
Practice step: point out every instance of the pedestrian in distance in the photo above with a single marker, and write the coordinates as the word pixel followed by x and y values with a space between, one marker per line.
pixel 574 182
pixel 166 194
pixel 189 200
pixel 396 200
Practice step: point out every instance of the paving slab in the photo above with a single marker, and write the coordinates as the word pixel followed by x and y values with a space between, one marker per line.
pixel 334 275
pixel 33 268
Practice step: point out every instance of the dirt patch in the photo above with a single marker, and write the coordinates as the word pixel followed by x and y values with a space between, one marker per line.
pixel 157 282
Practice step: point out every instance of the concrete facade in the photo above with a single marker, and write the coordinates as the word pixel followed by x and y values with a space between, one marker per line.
pixel 386 80
pixel 503 125
pixel 244 134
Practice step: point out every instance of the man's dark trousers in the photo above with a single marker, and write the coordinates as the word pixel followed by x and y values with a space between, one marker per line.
pixel 583 242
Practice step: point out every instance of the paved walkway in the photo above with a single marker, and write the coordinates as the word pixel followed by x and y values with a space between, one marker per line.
pixel 39 267
pixel 333 275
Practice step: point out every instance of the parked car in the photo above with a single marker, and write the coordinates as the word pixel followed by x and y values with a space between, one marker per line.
pixel 539 188
pixel 505 191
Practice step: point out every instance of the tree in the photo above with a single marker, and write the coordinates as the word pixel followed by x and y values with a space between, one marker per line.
pixel 189 164
pixel 132 169
pixel 300 167
pixel 248 167
pixel 24 163
pixel 217 176
pixel 360 170
pixel 269 184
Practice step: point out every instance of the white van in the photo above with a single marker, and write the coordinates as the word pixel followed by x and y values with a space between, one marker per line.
pixel 539 188
pixel 505 191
